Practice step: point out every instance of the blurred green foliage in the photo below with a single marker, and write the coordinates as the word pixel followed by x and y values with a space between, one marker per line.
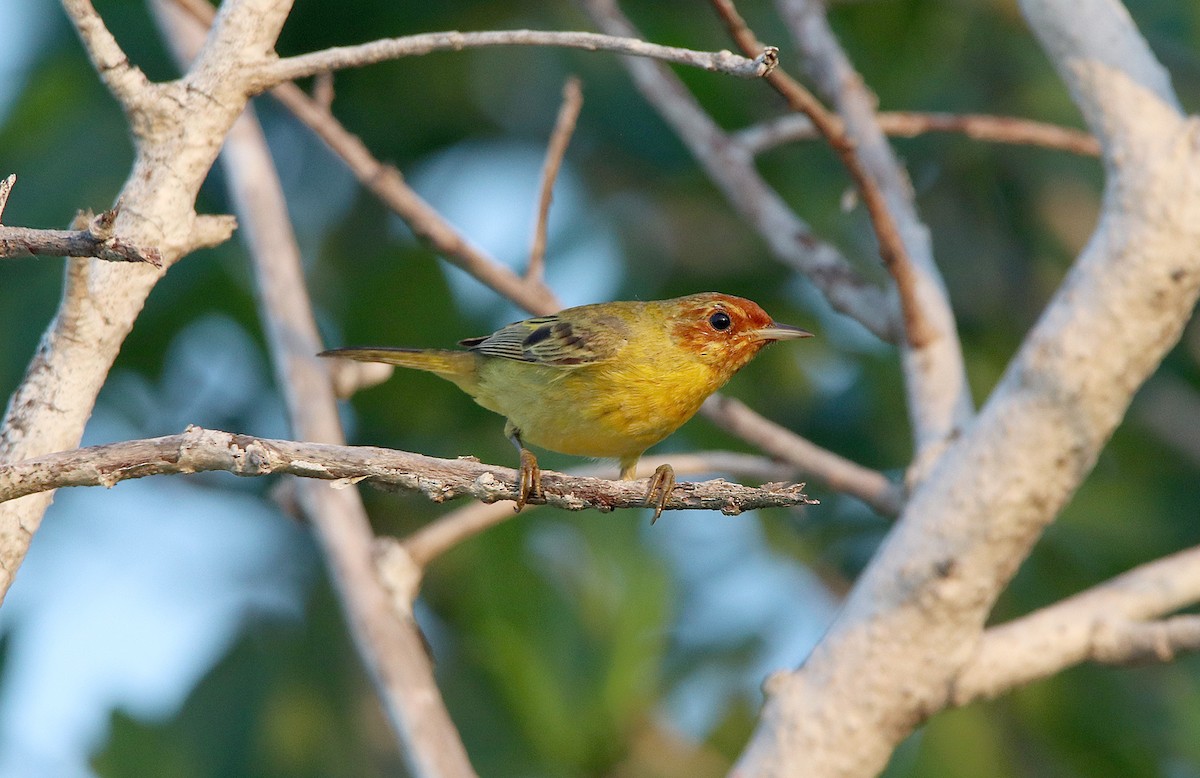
pixel 555 633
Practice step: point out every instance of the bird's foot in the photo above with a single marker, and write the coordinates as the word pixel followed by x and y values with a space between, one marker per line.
pixel 661 484
pixel 529 479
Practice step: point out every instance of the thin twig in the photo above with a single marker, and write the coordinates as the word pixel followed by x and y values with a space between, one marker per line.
pixel 790 239
pixel 564 127
pixel 95 240
pixel 909 124
pixel 837 472
pixel 438 537
pixel 891 247
pixel 200 450
pixel 338 58
pixel 387 183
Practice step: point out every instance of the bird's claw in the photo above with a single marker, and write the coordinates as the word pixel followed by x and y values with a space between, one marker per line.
pixel 661 484
pixel 529 479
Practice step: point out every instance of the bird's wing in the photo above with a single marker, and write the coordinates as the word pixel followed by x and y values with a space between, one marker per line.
pixel 554 340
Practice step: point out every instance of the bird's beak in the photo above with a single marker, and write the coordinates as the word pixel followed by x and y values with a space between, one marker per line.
pixel 779 331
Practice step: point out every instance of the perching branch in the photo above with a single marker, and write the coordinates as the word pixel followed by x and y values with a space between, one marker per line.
pixel 438 537
pixel 342 57
pixel 200 450
pixel 909 124
pixel 95 240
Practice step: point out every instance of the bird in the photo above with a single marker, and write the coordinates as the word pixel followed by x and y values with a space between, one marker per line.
pixel 606 380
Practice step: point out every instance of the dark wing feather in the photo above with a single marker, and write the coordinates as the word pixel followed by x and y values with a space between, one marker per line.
pixel 553 340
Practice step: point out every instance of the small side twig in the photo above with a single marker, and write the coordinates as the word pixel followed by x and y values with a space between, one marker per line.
pixel 564 127
pixel 94 240
pixel 199 450
pixel 841 474
pixel 5 187
pixel 988 128
pixel 1120 621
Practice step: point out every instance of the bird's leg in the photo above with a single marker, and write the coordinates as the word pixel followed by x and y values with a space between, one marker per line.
pixel 661 484
pixel 529 477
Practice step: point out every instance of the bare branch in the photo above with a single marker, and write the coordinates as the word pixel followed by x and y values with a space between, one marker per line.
pixel 909 124
pixel 564 127
pixel 839 473
pixel 891 247
pixel 339 58
pixel 1110 623
pixel 438 537
pixel 791 240
pixel 426 223
pixel 199 450
pixel 387 183
pixel 939 399
pixel 387 639
pixel 96 240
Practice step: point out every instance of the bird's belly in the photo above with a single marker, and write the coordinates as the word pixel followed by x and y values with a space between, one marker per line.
pixel 602 411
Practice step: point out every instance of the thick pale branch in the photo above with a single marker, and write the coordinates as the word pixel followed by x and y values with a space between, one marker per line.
pixel 909 124
pixel 199 450
pixel 733 171
pixel 292 68
pixel 1109 623
pixel 969 524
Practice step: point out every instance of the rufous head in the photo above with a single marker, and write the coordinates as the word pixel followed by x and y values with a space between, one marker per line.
pixel 725 331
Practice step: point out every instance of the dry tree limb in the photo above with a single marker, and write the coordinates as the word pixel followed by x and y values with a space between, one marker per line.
pixel 790 239
pixel 95 240
pixel 1009 130
pixel 564 127
pixel 939 401
pixel 891 247
pixel 200 450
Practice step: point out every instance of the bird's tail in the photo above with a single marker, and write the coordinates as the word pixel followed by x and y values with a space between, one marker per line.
pixel 453 365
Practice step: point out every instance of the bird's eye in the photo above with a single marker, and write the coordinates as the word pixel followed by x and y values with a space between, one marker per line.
pixel 720 320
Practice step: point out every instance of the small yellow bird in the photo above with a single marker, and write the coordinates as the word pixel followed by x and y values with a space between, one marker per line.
pixel 604 380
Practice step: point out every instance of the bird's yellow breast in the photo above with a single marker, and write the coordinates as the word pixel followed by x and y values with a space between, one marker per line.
pixel 615 408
